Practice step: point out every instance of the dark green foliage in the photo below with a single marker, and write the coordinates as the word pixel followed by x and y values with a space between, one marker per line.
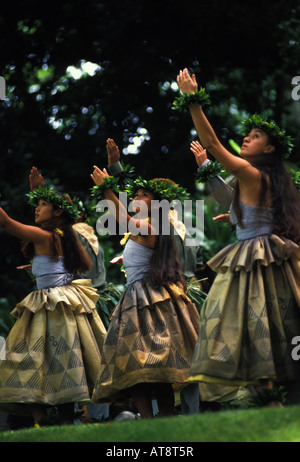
pixel 244 54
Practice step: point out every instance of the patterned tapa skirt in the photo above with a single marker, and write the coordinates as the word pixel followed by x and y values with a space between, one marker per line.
pixel 151 338
pixel 53 351
pixel 251 314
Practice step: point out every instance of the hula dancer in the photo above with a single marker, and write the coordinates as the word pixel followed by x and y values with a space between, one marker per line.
pixel 251 313
pixel 53 350
pixel 154 327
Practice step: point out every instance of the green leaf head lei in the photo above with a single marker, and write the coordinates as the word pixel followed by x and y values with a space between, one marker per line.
pixel 56 198
pixel 278 134
pixel 162 188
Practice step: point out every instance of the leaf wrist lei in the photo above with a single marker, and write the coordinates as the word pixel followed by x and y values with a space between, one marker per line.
pixel 182 102
pixel 110 182
pixel 209 171
pixel 280 135
pixel 54 197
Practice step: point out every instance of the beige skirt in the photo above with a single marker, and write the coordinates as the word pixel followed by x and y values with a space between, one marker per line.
pixel 53 350
pixel 151 338
pixel 250 315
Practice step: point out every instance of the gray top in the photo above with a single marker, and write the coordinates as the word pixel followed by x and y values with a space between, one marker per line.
pixel 50 273
pixel 256 221
pixel 136 260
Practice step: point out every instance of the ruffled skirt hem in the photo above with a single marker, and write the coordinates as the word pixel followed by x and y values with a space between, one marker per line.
pixel 53 350
pixel 251 314
pixel 151 338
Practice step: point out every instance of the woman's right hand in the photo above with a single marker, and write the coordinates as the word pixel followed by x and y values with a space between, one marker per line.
pixel 199 152
pixel 187 83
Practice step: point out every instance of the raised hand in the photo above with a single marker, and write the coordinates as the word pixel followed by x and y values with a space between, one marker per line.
pixel 112 152
pixel 35 179
pixel 98 175
pixel 187 83
pixel 199 152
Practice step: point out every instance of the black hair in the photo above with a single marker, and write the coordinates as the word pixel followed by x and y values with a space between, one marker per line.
pixel 76 259
pixel 165 265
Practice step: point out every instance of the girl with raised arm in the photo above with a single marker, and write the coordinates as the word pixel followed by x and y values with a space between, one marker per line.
pixel 53 349
pixel 153 330
pixel 251 313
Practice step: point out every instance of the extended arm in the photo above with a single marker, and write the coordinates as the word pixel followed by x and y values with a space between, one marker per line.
pixel 21 231
pixel 235 165
pixel 122 216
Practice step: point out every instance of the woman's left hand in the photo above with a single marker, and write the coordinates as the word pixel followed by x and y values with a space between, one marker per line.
pixel 25 267
pixel 223 217
pixel 98 175
pixel 35 179
pixel 199 152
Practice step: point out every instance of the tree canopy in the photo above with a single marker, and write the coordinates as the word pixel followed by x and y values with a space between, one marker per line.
pixel 78 72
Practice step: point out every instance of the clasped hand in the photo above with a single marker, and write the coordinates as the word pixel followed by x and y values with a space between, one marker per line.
pixel 113 157
pixel 199 152
pixel 187 83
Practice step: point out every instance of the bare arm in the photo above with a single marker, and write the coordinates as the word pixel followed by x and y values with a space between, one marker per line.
pixel 235 165
pixel 21 231
pixel 122 216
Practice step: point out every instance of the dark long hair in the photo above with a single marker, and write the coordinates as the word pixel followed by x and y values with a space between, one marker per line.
pixel 285 199
pixel 165 265
pixel 76 259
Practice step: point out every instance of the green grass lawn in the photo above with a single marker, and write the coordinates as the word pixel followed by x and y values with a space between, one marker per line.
pixel 247 425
